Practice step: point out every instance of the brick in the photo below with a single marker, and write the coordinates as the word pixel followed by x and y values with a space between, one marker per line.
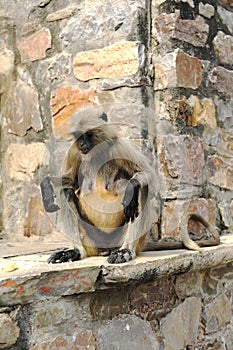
pixel 220 172
pixel 34 47
pixel 221 80
pixel 21 109
pixel 117 60
pixel 65 102
pixel 171 215
pixel 223 46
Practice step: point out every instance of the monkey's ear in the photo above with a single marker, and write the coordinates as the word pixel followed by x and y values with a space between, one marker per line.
pixel 104 116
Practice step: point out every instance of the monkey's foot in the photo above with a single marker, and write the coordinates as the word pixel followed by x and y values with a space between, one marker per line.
pixel 64 256
pixel 121 256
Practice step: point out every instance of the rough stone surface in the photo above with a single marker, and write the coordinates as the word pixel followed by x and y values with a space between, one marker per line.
pixel 177 69
pixel 34 47
pixel 7 60
pixel 194 32
pixel 21 109
pixel 171 216
pixel 220 172
pixel 223 46
pixel 20 167
pixel 226 18
pixel 203 111
pixel 66 101
pixel 218 313
pixel 9 332
pixel 222 81
pixel 225 113
pixel 117 60
pixel 180 327
pixel 127 332
pixel 206 10
pixel 61 14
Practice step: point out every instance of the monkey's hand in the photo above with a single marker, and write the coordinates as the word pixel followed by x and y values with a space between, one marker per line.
pixel 121 256
pixel 130 201
pixel 64 256
pixel 48 195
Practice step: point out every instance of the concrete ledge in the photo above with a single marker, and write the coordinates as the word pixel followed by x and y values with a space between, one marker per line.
pixel 24 279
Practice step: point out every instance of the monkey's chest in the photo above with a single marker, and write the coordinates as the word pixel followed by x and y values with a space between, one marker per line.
pixel 102 207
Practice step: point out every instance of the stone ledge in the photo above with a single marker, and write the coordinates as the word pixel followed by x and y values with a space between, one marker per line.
pixel 28 278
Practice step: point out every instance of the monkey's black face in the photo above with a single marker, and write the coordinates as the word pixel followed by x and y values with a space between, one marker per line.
pixel 85 141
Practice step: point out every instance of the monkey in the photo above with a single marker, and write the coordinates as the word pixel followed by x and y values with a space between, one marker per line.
pixel 105 197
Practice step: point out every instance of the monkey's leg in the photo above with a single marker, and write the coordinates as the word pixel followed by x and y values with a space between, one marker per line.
pixel 64 256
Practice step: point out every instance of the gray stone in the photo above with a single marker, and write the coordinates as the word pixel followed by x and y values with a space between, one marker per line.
pixel 180 327
pixel 226 210
pixel 220 171
pixel 223 46
pixel 222 80
pixel 225 113
pixel 206 10
pixel 194 32
pixel 218 314
pixel 188 284
pixel 226 17
pixel 9 332
pixel 128 332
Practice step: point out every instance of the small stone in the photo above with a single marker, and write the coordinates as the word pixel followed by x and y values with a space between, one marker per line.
pixel 218 314
pixel 203 111
pixel 164 26
pixel 61 14
pixel 9 332
pixel 180 327
pixel 34 47
pixel 21 109
pixel 22 161
pixel 226 18
pixel 225 113
pixel 222 80
pixel 206 10
pixel 220 172
pixel 114 61
pixel 65 102
pixel 194 32
pixel 223 46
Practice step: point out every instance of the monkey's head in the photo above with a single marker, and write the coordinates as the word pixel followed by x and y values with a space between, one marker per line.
pixel 90 128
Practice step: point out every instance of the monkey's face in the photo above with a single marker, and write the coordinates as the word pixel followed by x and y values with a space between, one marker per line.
pixel 84 141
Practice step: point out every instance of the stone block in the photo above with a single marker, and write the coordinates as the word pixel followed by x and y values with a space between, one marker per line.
pixel 172 213
pixel 21 109
pixel 226 17
pixel 206 10
pixel 36 220
pixel 34 47
pixel 194 32
pixel 7 58
pixel 164 26
pixel 225 113
pixel 203 111
pixel 223 46
pixel 220 172
pixel 221 80
pixel 180 327
pixel 226 210
pixel 188 284
pixel 9 331
pixel 118 60
pixel 22 161
pixel 217 314
pixel 98 24
pixel 127 332
pixel 65 102
pixel 177 69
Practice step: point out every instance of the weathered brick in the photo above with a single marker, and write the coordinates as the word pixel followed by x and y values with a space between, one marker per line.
pixel 34 47
pixel 223 46
pixel 222 80
pixel 177 69
pixel 66 101
pixel 117 60
pixel 21 109
pixel 9 332
pixel 220 171
pixel 171 216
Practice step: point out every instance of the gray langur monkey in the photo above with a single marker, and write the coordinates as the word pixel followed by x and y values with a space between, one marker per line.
pixel 105 197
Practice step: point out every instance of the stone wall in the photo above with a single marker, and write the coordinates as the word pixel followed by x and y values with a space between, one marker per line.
pixel 171 58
